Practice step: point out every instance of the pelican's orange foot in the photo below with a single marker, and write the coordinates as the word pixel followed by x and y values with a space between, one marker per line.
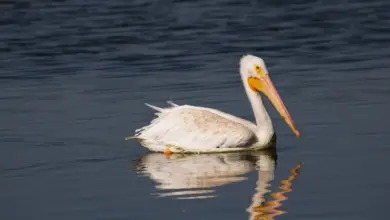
pixel 168 152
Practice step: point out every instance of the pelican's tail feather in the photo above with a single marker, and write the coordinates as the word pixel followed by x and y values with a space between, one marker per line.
pixel 155 107
pixel 172 104
pixel 130 137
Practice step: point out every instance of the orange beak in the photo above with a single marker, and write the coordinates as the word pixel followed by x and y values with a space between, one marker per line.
pixel 266 86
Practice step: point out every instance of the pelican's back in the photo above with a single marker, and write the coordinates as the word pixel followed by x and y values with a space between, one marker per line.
pixel 196 129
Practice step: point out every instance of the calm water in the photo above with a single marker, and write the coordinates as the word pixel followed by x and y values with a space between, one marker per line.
pixel 74 76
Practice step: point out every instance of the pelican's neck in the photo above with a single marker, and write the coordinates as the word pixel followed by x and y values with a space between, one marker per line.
pixel 263 121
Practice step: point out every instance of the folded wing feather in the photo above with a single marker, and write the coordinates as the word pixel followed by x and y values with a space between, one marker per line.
pixel 196 129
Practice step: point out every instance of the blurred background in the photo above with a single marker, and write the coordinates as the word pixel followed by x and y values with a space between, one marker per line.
pixel 74 77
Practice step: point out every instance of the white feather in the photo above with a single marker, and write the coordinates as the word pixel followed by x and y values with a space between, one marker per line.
pixel 154 107
pixel 172 104
pixel 197 129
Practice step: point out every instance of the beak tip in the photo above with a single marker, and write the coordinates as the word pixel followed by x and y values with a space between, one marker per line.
pixel 297 133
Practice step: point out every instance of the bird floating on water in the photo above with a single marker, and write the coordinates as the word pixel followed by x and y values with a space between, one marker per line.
pixel 193 129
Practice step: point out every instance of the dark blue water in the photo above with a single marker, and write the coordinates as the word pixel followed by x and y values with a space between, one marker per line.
pixel 74 76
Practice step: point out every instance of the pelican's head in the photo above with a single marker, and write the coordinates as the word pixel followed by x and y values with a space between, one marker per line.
pixel 255 73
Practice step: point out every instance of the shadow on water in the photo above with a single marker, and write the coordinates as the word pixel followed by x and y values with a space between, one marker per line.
pixel 196 176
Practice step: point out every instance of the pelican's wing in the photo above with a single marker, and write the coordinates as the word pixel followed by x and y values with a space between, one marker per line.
pixel 196 129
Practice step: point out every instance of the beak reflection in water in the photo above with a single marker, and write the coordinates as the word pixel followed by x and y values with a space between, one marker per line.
pixel 196 176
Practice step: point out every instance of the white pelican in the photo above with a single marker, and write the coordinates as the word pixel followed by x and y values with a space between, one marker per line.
pixel 186 128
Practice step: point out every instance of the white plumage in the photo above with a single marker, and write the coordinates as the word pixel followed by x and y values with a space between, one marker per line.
pixel 186 128
pixel 196 129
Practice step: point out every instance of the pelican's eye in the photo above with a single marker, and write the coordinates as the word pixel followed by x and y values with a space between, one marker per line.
pixel 259 70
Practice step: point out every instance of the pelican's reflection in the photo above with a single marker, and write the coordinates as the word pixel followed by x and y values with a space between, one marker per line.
pixel 195 176
pixel 190 176
pixel 263 209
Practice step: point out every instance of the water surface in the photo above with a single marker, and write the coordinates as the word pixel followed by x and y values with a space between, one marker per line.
pixel 75 75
